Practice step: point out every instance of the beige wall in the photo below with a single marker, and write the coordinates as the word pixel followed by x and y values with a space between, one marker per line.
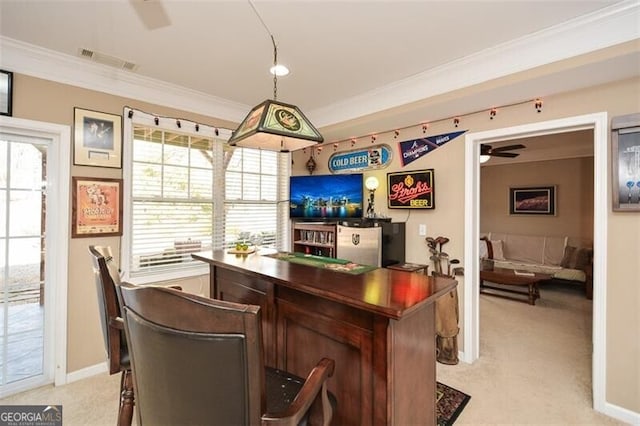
pixel 623 251
pixel 50 102
pixel 573 179
pixel 43 100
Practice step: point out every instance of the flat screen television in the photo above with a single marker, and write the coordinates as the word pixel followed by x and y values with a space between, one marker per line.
pixel 326 196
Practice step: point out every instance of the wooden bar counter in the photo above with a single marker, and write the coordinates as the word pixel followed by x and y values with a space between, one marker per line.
pixel 378 326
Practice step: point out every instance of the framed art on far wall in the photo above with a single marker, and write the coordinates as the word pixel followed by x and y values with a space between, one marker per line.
pixel 97 207
pixel 539 200
pixel 97 139
pixel 6 92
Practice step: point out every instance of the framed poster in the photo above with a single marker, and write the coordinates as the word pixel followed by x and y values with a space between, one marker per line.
pixel 411 190
pixel 537 200
pixel 625 159
pixel 97 139
pixel 6 92
pixel 97 207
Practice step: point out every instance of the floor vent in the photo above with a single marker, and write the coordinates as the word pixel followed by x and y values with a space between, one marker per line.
pixel 108 60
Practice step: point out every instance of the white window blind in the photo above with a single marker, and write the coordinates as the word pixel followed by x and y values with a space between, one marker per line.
pixel 171 195
pixel 172 198
pixel 254 195
pixel 186 190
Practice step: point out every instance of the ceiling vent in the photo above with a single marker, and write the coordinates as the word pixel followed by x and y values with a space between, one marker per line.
pixel 103 59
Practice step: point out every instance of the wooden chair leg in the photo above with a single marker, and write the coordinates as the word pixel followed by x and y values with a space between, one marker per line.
pixel 125 411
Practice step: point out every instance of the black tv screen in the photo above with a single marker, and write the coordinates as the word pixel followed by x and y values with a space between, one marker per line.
pixel 326 196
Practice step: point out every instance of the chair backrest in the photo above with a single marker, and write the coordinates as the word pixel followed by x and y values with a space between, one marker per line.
pixel 106 279
pixel 194 360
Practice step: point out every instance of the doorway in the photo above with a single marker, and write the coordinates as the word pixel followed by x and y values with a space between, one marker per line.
pixel 596 122
pixel 33 247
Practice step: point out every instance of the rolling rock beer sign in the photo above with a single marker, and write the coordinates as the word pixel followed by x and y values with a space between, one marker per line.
pixel 413 149
pixel 411 190
pixel 375 157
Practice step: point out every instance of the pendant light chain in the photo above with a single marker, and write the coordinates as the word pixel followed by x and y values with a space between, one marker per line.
pixel 275 50
pixel 275 64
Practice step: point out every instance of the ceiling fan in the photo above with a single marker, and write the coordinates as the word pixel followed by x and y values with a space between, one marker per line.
pixel 500 151
pixel 152 13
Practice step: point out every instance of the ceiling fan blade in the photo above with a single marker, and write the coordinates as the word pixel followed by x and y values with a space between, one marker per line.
pixel 485 149
pixel 504 154
pixel 151 13
pixel 507 148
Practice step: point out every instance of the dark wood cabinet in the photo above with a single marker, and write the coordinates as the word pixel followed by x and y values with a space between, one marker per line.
pixel 342 334
pixel 378 327
pixel 242 288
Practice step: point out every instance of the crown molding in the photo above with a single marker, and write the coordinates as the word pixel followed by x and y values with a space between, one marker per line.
pixel 47 64
pixel 605 28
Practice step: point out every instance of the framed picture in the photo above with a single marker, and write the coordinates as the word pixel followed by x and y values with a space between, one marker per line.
pixel 537 200
pixel 97 139
pixel 625 167
pixel 6 92
pixel 97 207
pixel 411 190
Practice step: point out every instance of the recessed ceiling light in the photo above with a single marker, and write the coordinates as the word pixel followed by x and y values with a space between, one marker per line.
pixel 279 70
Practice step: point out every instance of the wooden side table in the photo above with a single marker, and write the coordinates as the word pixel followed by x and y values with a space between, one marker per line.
pixel 410 267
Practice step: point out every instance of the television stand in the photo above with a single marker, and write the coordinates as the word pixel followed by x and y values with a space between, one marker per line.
pixel 317 238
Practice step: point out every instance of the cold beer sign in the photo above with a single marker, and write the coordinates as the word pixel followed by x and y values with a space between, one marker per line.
pixel 374 157
pixel 411 190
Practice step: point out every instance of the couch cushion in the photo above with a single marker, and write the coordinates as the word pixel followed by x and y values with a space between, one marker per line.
pixel 525 266
pixel 497 250
pixel 524 248
pixel 571 275
pixel 555 271
pixel 554 250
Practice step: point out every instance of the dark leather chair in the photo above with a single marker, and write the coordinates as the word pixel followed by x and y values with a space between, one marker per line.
pixel 200 361
pixel 106 278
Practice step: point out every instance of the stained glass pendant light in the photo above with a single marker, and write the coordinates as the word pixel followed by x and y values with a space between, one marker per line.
pixel 274 125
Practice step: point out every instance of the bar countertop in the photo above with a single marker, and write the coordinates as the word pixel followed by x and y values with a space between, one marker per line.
pixel 390 293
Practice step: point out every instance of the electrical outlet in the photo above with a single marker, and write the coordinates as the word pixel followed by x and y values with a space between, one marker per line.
pixel 422 230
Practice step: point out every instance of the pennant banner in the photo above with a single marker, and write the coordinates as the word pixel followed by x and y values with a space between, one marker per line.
pixel 413 149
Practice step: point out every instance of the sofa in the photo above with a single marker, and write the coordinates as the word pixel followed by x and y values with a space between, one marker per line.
pixel 566 259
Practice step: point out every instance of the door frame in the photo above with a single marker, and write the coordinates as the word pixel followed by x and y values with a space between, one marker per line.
pixel 598 123
pixel 57 236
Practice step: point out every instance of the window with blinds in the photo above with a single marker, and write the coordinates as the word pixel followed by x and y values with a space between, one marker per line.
pixel 187 191
pixel 255 192
pixel 172 198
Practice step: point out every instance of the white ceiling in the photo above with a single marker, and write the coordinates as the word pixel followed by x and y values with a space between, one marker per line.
pixel 356 66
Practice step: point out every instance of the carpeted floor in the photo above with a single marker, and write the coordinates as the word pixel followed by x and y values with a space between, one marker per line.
pixel 449 404
pixel 534 368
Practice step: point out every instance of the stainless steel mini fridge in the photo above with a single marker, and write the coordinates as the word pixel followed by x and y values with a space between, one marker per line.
pixel 359 244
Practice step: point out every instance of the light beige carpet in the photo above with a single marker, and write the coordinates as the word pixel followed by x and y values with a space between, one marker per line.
pixel 535 362
pixel 534 368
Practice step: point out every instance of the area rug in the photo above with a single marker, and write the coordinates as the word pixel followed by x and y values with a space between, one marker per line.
pixel 449 404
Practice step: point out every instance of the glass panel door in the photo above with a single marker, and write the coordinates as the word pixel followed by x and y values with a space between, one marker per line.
pixel 22 297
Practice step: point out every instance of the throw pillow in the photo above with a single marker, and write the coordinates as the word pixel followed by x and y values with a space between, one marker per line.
pixel 575 258
pixel 568 259
pixel 498 254
pixel 583 258
pixel 487 245
pixel 484 250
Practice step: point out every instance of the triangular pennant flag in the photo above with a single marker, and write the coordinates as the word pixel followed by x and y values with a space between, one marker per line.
pixel 413 149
